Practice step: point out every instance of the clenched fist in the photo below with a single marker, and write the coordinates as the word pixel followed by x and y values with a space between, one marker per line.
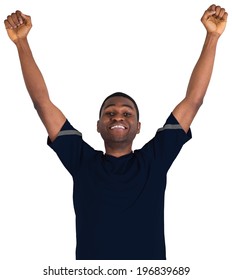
pixel 214 19
pixel 18 26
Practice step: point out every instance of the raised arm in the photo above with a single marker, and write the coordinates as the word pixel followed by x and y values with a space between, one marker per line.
pixel 18 26
pixel 214 19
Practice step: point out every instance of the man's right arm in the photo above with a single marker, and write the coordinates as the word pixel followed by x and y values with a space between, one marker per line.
pixel 18 26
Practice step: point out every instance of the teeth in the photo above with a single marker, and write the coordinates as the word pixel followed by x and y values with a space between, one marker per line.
pixel 117 126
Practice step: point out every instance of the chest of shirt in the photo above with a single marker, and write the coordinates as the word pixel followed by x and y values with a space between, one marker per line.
pixel 117 185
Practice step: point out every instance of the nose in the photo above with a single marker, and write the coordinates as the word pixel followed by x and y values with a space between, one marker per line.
pixel 118 117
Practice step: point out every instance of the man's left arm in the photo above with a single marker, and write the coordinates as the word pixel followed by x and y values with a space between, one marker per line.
pixel 214 19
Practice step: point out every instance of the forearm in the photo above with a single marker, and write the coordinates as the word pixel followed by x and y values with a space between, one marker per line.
pixel 33 78
pixel 202 71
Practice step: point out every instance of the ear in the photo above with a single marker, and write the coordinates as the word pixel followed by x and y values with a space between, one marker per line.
pixel 98 127
pixel 138 127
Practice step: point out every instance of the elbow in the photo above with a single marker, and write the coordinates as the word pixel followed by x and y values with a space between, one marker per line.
pixel 39 105
pixel 35 104
pixel 198 103
pixel 195 102
pixel 39 97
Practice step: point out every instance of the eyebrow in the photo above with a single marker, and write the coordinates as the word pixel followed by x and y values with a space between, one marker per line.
pixel 123 105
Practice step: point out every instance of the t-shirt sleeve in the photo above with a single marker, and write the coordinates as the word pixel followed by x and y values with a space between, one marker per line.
pixel 68 146
pixel 168 142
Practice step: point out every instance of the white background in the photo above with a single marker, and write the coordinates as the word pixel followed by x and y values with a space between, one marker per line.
pixel 87 50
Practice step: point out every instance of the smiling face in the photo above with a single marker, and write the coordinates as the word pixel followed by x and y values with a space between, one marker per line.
pixel 118 123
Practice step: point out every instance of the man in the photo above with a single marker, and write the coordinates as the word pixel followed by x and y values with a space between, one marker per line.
pixel 119 194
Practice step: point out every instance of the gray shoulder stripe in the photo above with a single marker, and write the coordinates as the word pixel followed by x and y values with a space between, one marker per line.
pixel 170 126
pixel 69 132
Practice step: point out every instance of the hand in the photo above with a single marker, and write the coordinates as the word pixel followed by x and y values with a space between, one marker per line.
pixel 214 19
pixel 18 26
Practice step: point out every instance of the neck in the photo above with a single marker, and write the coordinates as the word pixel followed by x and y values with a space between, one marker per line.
pixel 118 151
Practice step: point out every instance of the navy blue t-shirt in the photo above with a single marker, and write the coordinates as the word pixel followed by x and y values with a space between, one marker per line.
pixel 119 202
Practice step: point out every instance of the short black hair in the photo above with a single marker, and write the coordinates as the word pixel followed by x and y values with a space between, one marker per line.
pixel 122 95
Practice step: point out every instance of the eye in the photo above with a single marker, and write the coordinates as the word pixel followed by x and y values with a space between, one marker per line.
pixel 127 114
pixel 111 114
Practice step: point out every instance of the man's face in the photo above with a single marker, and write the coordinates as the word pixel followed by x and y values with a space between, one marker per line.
pixel 118 122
